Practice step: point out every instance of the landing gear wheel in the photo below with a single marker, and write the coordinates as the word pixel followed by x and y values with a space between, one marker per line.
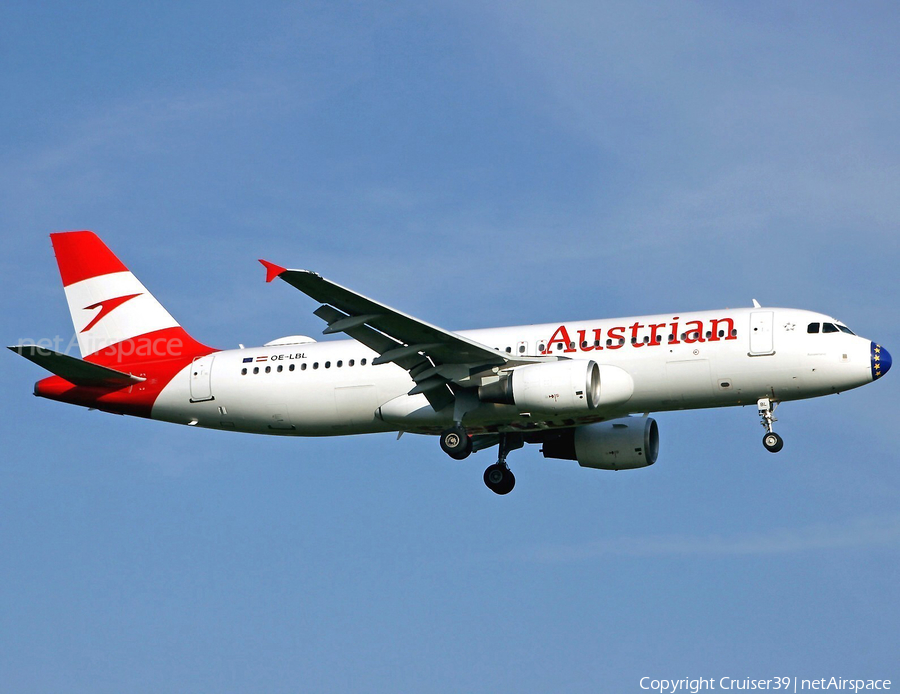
pixel 499 479
pixel 456 443
pixel 773 442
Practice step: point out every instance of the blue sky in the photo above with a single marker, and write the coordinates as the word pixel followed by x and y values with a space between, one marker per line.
pixel 473 164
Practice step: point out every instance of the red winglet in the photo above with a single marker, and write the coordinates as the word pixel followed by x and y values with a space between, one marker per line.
pixel 272 270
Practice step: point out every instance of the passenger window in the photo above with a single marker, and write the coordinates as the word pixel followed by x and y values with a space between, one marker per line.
pixel 340 364
pixel 256 369
pixel 243 372
pixel 829 328
pixel 509 350
pixel 812 328
pixel 521 349
pixel 268 369
pixel 327 364
pixel 362 362
pixel 351 362
pixel 315 365
pixel 291 367
pixel 303 366
pixel 280 368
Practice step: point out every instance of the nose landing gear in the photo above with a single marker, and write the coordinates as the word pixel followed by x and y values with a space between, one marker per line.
pixel 772 441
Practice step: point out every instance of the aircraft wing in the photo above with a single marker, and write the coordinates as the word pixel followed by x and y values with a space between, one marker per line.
pixel 434 357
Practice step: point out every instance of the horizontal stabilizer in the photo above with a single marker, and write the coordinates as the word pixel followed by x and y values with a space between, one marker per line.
pixel 76 371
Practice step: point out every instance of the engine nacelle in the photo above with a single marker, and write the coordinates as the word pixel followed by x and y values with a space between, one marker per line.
pixel 569 386
pixel 619 444
pixel 566 386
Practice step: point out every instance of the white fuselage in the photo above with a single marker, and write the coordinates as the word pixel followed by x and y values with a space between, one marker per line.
pixel 676 361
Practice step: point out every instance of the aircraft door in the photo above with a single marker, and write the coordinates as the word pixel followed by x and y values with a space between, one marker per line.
pixel 201 378
pixel 761 334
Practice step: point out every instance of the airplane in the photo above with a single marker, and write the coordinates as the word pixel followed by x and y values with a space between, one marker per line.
pixel 583 390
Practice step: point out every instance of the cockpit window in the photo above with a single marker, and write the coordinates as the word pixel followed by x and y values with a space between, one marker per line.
pixel 845 329
pixel 812 328
pixel 829 328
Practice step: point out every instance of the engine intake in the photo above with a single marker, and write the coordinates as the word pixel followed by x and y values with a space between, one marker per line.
pixel 619 444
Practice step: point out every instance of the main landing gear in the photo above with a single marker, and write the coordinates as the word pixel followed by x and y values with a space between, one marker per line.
pixel 498 477
pixel 457 443
pixel 772 441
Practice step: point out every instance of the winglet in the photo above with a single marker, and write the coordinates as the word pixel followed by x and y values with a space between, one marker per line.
pixel 272 270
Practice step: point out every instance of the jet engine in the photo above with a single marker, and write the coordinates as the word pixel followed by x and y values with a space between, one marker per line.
pixel 619 444
pixel 569 386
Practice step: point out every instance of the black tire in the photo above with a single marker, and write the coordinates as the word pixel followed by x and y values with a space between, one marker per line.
pixel 456 443
pixel 773 442
pixel 499 479
pixel 509 481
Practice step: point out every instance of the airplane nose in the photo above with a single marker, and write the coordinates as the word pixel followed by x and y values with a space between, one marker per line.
pixel 881 361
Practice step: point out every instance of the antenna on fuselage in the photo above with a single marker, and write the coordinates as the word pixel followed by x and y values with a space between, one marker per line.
pixel 756 304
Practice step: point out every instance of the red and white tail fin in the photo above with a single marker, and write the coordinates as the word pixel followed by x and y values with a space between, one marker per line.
pixel 115 317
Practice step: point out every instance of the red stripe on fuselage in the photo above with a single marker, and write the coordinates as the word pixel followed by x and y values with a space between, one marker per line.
pixel 82 255
pixel 158 357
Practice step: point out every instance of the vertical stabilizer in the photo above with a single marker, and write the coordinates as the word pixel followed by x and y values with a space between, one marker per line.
pixel 115 317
